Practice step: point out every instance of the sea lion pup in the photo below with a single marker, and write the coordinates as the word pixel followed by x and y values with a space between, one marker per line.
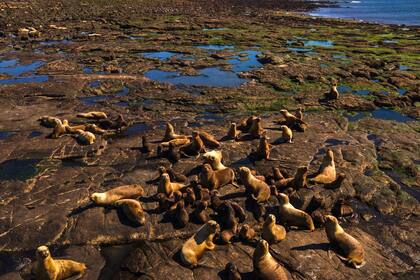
pixel 166 187
pixel 202 240
pixel 214 158
pixel 247 233
pixel 287 134
pixel 351 249
pixel 299 113
pixel 59 129
pixel 232 272
pixel 333 94
pixel 49 121
pixel 181 215
pixel 298 181
pixel 122 192
pixel 170 133
pixel 292 216
pixel 195 147
pixel 85 137
pixel 233 133
pixel 256 129
pixel 259 190
pixel 132 209
pixel 200 214
pixel 93 115
pixel 271 232
pixel 209 140
pixel 246 124
pixel 176 142
pixel 216 179
pixel 48 268
pixel 326 172
pixel 265 266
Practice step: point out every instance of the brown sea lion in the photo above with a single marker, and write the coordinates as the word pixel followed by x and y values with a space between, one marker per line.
pixel 246 124
pixel 202 240
pixel 133 210
pixel 214 158
pixel 259 189
pixel 176 142
pixel 181 214
pixel 351 249
pixel 292 216
pixel 49 121
pixel 59 129
pixel 263 151
pixel 298 181
pixel 265 266
pixel 256 130
pixel 122 192
pixel 195 147
pixel 228 221
pixel 200 212
pixel 271 232
pixel 240 213
pixel 85 137
pixel 299 113
pixel 48 268
pixel 93 115
pixel 167 187
pixel 333 94
pixel 170 134
pixel 247 233
pixel 174 176
pixel 209 140
pixel 233 133
pixel 232 272
pixel 326 173
pixel 287 134
pixel 216 179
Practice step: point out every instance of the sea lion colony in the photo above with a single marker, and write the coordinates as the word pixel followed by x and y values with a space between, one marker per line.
pixel 184 199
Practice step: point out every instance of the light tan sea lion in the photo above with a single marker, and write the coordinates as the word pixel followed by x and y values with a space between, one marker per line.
pixel 176 142
pixel 256 130
pixel 287 134
pixel 209 140
pixel 167 187
pixel 48 268
pixel 73 129
pixel 132 209
pixel 93 115
pixel 292 216
pixel 49 121
pixel 195 147
pixel 216 179
pixel 271 232
pixel 259 189
pixel 122 192
pixel 351 249
pixel 202 240
pixel 170 134
pixel 214 158
pixel 326 173
pixel 85 137
pixel 265 266
pixel 233 133
pixel 59 129
pixel 95 129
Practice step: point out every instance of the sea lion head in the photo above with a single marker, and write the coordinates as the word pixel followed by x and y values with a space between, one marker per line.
pixel 262 248
pixel 283 199
pixel 244 170
pixel 330 219
pixel 65 122
pixel 162 170
pixel 207 168
pixel 271 219
pixel 43 252
pixel 284 128
pixel 169 128
pixel 330 154
pixel 283 112
pixel 98 198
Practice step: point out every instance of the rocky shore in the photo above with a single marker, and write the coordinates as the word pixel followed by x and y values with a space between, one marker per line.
pixel 201 69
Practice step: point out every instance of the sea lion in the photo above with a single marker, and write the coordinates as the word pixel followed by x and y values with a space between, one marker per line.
pixel 174 176
pixel 59 129
pixel 202 240
pixel 145 145
pixel 214 158
pixel 216 202
pixel 216 179
pixel 122 192
pixel 181 215
pixel 195 147
pixel 49 121
pixel 240 213
pixel 233 133
pixel 277 175
pixel 85 137
pixel 209 140
pixel 271 232
pixel 292 122
pixel 94 129
pixel 132 209
pixel 176 142
pixel 118 124
pixel 229 222
pixel 189 196
pixel 93 115
pixel 73 129
pixel 299 113
pixel 232 272
pixel 200 213
pixel 326 172
pixel 292 216
pixel 259 189
pixel 247 233
pixel 246 124
pixel 298 181
pixel 287 134
pixel 256 129
pixel 263 151
pixel 48 268
pixel 170 133
pixel 351 249
pixel 333 94
pixel 265 266
pixel 172 154
pixel 167 187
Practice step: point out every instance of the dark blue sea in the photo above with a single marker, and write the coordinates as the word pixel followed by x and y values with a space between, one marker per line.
pixel 379 11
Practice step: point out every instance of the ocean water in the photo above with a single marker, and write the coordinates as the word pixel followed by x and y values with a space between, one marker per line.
pixel 381 11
